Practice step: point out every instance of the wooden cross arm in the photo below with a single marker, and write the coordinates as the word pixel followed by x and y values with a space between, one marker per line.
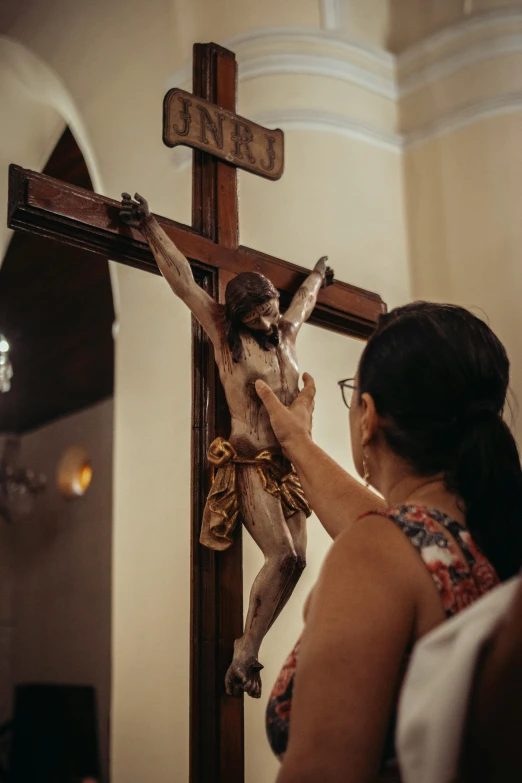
pixel 79 217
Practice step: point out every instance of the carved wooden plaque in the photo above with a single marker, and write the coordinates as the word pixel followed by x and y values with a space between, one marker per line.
pixel 197 123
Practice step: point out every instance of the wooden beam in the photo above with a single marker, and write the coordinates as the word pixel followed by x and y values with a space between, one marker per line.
pixel 216 720
pixel 78 217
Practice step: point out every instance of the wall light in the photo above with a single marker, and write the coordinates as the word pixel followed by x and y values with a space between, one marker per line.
pixel 74 472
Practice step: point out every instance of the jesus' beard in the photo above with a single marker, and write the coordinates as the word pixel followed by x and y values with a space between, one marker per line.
pixel 265 339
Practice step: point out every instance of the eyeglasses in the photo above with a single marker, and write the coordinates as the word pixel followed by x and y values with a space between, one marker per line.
pixel 347 387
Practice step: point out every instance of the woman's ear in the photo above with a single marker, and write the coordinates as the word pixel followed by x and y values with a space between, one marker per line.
pixel 369 419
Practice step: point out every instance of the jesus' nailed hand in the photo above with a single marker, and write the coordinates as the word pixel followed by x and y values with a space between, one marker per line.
pixel 252 341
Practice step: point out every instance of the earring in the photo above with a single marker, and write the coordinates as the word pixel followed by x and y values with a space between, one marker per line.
pixel 366 469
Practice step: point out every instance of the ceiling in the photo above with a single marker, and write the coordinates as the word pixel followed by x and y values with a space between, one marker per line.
pixel 56 311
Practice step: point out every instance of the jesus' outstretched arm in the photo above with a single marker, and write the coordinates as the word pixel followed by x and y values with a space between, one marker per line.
pixel 305 298
pixel 172 264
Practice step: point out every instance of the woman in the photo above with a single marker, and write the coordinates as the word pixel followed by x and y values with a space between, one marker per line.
pixel 427 433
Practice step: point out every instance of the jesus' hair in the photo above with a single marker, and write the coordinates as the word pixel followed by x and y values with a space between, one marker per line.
pixel 243 293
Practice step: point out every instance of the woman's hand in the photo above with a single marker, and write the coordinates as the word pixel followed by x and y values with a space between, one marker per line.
pixel 293 424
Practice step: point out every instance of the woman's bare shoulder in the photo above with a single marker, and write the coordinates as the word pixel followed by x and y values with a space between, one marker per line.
pixel 376 549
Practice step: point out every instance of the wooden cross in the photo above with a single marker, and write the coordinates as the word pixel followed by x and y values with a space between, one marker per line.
pixel 49 207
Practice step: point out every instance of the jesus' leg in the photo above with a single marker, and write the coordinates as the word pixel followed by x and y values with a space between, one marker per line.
pixel 264 520
pixel 297 527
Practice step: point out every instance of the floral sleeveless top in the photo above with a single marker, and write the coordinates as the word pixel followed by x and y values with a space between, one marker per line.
pixel 459 580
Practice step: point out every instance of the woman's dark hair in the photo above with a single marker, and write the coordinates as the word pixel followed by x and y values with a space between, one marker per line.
pixel 242 294
pixel 439 378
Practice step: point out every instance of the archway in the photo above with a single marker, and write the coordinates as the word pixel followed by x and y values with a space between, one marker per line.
pixel 57 313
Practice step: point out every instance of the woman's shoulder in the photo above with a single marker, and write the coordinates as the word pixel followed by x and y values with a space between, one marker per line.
pixel 381 554
pixel 360 577
pixel 425 527
pixel 444 548
pixel 414 514
pixel 378 546
pixel 372 533
pixel 427 534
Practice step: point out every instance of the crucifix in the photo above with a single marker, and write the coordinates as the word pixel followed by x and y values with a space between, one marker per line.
pixel 222 141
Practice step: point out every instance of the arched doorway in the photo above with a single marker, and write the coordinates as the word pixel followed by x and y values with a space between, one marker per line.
pixel 56 311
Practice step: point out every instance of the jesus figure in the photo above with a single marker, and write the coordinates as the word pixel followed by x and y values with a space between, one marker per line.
pixel 253 482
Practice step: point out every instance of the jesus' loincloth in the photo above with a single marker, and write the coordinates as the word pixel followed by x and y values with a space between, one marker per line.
pixel 222 509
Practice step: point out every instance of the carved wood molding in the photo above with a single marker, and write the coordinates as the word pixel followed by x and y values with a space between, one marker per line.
pixel 208 127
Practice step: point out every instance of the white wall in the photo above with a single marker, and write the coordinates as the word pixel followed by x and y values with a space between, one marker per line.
pixel 461 110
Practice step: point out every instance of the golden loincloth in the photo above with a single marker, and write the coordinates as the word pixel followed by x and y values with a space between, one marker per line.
pixel 222 509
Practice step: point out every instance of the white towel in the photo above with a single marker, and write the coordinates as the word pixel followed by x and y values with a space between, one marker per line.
pixel 435 694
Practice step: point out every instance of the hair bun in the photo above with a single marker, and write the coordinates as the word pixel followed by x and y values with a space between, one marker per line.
pixel 479 411
pixel 475 416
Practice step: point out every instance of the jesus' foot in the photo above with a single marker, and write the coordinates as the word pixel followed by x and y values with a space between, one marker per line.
pixel 243 674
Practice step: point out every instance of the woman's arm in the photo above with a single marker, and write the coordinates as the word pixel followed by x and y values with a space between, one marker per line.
pixel 360 621
pixel 336 497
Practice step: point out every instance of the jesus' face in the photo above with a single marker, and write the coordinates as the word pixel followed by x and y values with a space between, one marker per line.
pixel 263 318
